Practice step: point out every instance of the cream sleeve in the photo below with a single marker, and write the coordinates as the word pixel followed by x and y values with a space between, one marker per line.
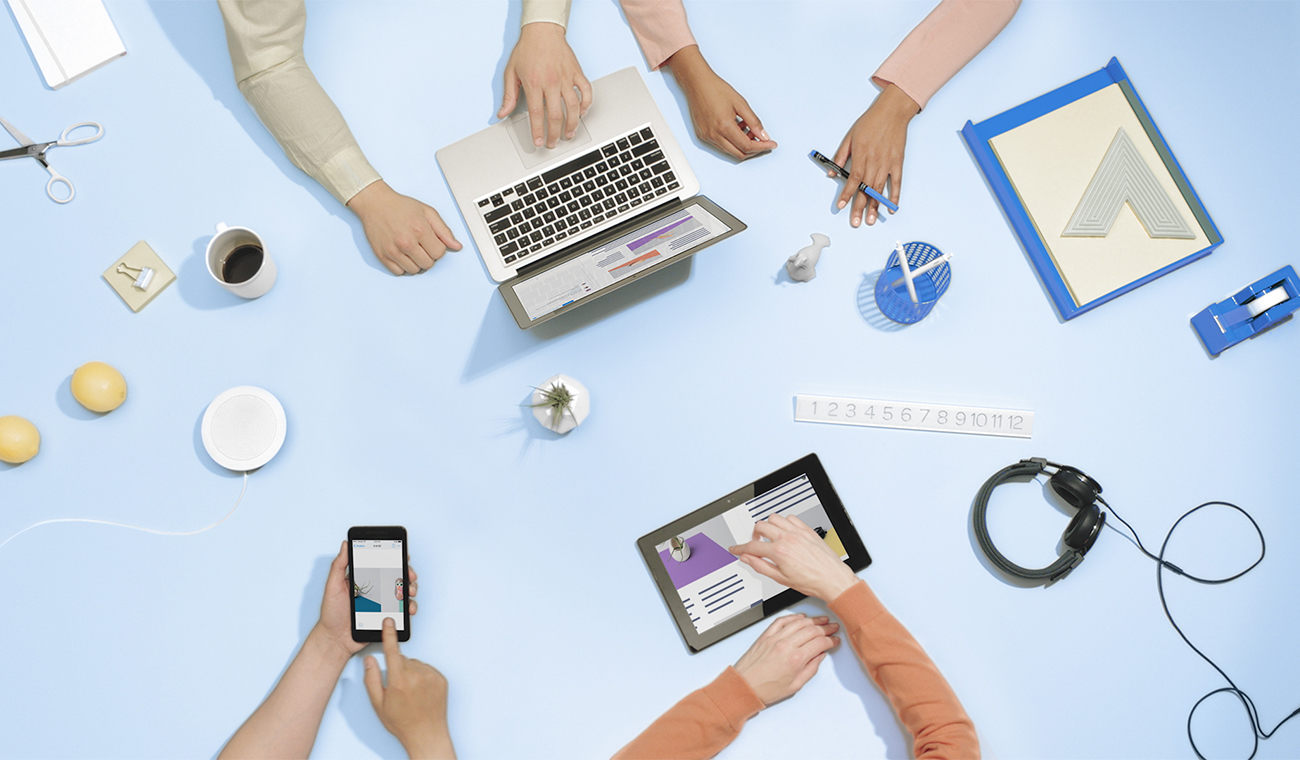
pixel 554 11
pixel 265 40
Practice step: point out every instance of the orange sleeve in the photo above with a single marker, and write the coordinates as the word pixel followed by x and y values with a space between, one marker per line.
pixel 659 26
pixel 700 725
pixel 923 700
pixel 945 41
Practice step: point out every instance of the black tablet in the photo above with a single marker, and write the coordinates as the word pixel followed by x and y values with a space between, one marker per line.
pixel 709 592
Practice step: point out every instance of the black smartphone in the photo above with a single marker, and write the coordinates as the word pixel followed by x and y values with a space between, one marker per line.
pixel 378 572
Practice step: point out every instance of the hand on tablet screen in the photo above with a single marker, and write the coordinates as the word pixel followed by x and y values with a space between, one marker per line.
pixel 413 705
pixel 335 608
pixel 795 556
pixel 787 655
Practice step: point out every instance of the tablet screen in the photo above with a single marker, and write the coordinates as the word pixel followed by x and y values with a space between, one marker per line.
pixel 713 584
pixel 710 593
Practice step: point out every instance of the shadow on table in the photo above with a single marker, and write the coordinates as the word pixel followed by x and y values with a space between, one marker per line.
pixel 197 287
pixel 68 403
pixel 198 34
pixel 501 342
pixel 352 702
pixel 509 37
pixel 867 305
pixel 851 675
pixel 1012 229
pixel 201 452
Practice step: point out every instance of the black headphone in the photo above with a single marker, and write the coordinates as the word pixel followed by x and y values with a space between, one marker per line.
pixel 1078 490
pixel 1083 493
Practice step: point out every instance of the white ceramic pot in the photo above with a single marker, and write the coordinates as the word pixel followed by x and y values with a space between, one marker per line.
pixel 571 417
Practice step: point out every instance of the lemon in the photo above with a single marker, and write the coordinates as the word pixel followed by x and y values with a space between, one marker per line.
pixel 19 440
pixel 98 387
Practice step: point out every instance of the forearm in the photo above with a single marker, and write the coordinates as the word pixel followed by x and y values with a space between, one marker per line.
pixel 925 703
pixel 687 65
pixel 945 41
pixel 700 725
pixel 265 40
pixel 285 725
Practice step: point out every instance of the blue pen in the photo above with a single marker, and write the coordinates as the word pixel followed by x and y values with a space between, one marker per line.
pixel 868 189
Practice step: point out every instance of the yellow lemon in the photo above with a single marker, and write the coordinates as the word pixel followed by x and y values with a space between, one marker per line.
pixel 19 440
pixel 98 387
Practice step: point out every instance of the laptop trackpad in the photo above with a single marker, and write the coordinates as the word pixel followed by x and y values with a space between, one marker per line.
pixel 521 134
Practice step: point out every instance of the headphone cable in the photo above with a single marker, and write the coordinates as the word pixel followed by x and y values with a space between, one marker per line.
pixel 1257 732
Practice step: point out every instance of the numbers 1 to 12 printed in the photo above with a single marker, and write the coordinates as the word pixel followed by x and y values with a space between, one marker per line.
pixel 908 415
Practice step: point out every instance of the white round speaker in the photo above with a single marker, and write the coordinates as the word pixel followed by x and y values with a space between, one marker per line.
pixel 243 428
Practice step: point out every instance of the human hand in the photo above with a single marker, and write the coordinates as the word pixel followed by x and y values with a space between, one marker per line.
pixel 875 144
pixel 795 556
pixel 545 66
pixel 336 606
pixel 787 655
pixel 413 706
pixel 406 235
pixel 714 106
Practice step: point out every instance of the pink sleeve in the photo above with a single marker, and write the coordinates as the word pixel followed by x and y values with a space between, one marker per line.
pixel 660 28
pixel 945 41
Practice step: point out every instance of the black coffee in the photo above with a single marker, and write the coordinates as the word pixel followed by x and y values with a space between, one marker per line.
pixel 242 264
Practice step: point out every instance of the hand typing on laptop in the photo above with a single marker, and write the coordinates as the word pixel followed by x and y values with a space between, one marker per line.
pixel 557 93
pixel 544 65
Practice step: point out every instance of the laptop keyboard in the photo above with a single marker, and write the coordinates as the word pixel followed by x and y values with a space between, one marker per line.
pixel 536 215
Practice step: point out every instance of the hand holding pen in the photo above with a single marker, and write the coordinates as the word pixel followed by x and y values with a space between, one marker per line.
pixel 834 170
pixel 873 149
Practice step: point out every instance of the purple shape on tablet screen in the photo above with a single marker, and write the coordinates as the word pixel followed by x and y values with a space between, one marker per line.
pixel 706 556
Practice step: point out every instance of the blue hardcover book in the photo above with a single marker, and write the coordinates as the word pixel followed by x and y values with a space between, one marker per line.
pixel 1092 190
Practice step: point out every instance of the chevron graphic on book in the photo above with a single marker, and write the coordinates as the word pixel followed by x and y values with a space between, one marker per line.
pixel 1123 177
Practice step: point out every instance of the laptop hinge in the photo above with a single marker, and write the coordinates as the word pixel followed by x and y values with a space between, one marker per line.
pixel 595 241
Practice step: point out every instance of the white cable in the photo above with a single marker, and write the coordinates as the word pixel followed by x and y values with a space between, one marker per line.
pixel 135 527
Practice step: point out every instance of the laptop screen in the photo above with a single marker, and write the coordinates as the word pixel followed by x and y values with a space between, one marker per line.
pixel 641 249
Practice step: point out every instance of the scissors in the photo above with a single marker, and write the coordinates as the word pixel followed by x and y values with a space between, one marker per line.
pixel 37 151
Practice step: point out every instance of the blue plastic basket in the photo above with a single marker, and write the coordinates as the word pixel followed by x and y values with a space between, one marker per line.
pixel 896 303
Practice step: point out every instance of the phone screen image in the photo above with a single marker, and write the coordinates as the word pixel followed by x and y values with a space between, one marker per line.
pixel 378 585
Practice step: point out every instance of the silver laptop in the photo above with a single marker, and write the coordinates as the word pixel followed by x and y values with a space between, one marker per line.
pixel 559 227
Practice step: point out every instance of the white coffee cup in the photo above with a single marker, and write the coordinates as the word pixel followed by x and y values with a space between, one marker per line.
pixel 227 241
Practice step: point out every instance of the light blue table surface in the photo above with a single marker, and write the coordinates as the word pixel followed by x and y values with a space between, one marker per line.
pixel 403 397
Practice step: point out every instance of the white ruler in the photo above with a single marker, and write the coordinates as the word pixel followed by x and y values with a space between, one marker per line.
pixel 912 415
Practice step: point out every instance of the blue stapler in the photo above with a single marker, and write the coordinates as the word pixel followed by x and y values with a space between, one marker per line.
pixel 1263 304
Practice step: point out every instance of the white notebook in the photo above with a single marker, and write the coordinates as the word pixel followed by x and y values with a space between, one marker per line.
pixel 68 38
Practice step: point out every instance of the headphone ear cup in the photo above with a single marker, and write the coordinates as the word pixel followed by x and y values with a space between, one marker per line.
pixel 1083 529
pixel 1078 490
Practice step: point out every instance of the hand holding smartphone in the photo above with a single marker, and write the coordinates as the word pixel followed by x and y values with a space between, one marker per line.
pixel 377 569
